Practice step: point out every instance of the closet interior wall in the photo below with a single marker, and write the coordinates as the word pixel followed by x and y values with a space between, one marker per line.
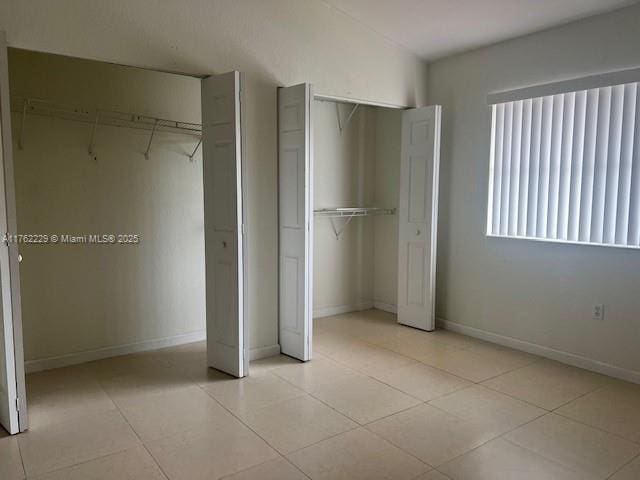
pixel 358 166
pixel 81 300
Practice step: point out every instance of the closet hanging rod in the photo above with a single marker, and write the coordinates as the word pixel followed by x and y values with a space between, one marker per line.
pixel 352 212
pixel 112 118
pixel 333 98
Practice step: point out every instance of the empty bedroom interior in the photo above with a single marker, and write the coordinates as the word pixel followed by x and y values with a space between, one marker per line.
pixel 324 239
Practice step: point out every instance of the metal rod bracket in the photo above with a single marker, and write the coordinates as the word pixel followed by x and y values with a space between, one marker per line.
pixel 24 115
pixel 153 131
pixel 92 142
pixel 342 126
pixel 195 150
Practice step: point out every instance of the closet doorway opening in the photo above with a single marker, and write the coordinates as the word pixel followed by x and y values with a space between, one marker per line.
pixel 358 219
pixel 124 271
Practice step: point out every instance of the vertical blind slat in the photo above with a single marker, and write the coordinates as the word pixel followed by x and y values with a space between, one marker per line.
pixel 492 169
pixel 534 167
pixel 589 162
pixel 545 166
pixel 634 198
pixel 626 158
pixel 565 167
pixel 600 171
pixel 525 152
pixel 613 165
pixel 577 155
pixel 506 168
pixel 514 187
pixel 554 166
pixel 497 177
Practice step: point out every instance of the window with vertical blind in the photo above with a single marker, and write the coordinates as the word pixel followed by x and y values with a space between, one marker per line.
pixel 565 166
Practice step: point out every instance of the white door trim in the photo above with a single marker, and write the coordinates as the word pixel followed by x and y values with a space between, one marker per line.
pixel 16 397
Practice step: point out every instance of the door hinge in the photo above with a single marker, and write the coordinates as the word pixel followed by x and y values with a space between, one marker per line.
pixel 18 404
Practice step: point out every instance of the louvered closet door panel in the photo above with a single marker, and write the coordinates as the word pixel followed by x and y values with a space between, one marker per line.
pixel 566 167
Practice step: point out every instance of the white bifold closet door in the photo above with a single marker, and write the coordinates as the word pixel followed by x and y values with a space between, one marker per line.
pixel 295 220
pixel 223 223
pixel 418 215
pixel 13 401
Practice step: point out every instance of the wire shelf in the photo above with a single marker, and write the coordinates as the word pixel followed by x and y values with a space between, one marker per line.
pixel 96 117
pixel 349 213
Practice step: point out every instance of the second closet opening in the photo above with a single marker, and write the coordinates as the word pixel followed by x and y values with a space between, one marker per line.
pixel 358 203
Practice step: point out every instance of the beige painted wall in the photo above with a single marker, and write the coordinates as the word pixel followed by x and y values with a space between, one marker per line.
pixel 343 177
pixel 537 292
pixel 78 298
pixel 388 129
pixel 275 43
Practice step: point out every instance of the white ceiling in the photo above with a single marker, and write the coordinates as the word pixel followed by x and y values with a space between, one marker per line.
pixel 437 28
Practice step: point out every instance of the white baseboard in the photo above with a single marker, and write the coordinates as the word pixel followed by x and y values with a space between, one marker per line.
pixel 385 307
pixel 137 347
pixel 264 352
pixel 100 353
pixel 551 353
pixel 340 309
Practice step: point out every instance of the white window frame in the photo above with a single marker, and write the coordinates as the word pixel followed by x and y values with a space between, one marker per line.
pixel 621 86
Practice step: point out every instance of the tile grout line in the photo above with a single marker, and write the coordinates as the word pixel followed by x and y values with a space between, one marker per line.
pixel 116 408
pixel 504 434
pixel 360 374
pixel 544 457
pixel 560 414
pixel 84 462
pixel 514 397
pixel 358 424
pixel 199 386
pixel 539 359
pixel 251 429
pixel 584 424
pixel 24 470
pixel 624 466
pixel 135 432
pixel 546 412
pixel 431 399
pixel 536 358
pixel 419 362
pixel 310 395
pixel 264 463
pixel 367 375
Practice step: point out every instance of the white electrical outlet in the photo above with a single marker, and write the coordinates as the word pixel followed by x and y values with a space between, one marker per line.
pixel 598 312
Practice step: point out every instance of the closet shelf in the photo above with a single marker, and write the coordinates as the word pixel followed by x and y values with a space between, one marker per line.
pixel 348 213
pixel 352 212
pixel 113 118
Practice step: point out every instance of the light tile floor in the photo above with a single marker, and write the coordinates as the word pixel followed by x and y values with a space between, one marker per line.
pixel 379 401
